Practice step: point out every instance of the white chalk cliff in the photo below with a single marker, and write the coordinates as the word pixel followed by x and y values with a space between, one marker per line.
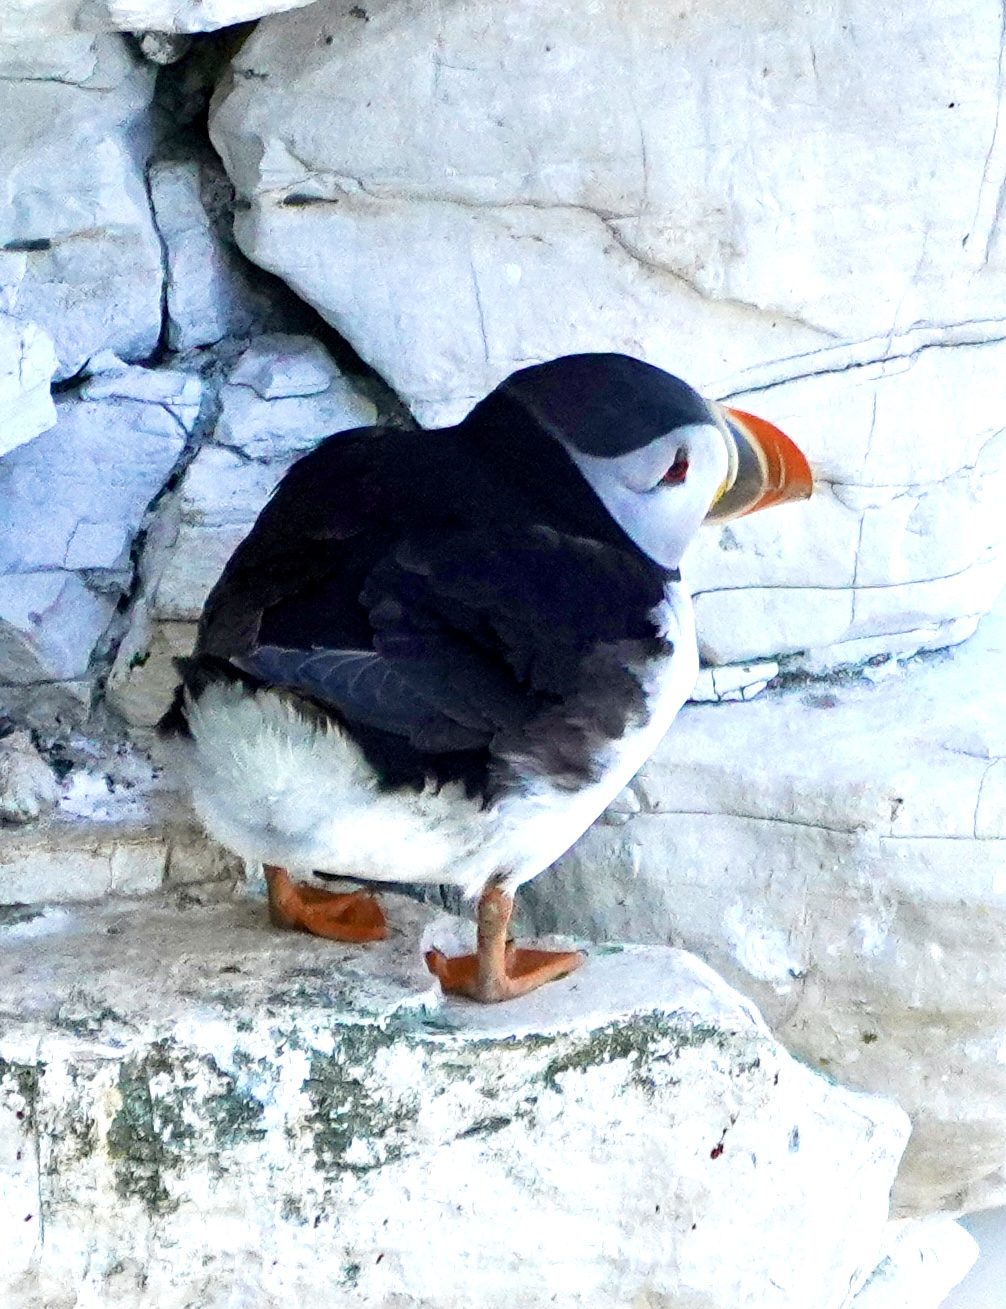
pixel 227 231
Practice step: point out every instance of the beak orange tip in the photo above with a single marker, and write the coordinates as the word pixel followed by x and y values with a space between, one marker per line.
pixel 771 468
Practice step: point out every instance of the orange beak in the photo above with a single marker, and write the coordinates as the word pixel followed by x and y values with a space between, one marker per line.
pixel 769 468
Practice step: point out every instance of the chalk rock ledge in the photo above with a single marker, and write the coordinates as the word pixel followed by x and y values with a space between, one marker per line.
pixel 286 1119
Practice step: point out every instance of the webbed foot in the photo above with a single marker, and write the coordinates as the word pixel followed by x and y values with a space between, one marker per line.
pixel 499 970
pixel 353 916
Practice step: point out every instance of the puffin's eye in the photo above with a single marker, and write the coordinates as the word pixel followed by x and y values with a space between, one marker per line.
pixel 677 471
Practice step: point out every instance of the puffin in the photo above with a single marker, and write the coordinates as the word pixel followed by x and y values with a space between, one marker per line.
pixel 438 655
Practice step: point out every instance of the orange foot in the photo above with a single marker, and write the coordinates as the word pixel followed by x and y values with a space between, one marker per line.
pixel 355 916
pixel 523 971
pixel 499 970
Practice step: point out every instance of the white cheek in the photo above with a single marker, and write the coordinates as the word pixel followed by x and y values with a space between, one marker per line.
pixel 660 518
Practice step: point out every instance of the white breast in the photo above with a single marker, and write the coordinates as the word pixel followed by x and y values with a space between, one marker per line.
pixel 277 788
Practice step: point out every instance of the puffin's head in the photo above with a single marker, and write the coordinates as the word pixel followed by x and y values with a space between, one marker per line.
pixel 660 457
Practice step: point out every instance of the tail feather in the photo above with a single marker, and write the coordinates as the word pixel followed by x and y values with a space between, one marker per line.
pixel 197 672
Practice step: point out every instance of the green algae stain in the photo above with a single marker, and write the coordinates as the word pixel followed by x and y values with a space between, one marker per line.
pixel 344 1111
pixel 23 1081
pixel 646 1039
pixel 147 1133
pixel 23 1077
pixel 175 1106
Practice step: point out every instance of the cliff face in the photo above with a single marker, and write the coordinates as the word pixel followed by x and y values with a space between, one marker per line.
pixel 226 231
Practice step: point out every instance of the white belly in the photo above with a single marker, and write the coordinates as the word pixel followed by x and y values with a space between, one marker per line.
pixel 278 789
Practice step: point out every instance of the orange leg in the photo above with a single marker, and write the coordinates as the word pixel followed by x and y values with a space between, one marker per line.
pixel 498 970
pixel 348 917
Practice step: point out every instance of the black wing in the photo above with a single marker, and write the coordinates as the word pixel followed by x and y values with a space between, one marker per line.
pixel 510 643
pixel 442 651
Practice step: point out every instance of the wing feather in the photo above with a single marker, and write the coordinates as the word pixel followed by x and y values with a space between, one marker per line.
pixel 460 639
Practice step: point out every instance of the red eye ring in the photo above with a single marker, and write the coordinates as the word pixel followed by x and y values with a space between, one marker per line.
pixel 678 471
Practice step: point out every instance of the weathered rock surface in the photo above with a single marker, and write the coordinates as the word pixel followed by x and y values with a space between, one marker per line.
pixel 163 48
pixel 294 1118
pixel 475 212
pixel 838 852
pixel 283 395
pixel 175 390
pixel 712 203
pixel 27 363
pixel 50 18
pixel 74 497
pixel 49 624
pixel 734 681
pixel 27 784
pixel 73 500
pixel 208 295
pixel 79 255
pixel 68 861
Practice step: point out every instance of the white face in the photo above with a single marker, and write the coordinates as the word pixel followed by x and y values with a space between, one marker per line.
pixel 660 494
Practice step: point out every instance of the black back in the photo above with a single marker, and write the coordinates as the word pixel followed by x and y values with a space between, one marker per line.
pixel 458 600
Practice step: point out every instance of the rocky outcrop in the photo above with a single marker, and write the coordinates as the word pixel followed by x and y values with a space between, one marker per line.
pixel 78 498
pixel 294 1118
pixel 109 824
pixel 74 499
pixel 701 195
pixel 926 1260
pixel 27 363
pixel 27 785
pixel 207 293
pixel 74 496
pixel 79 254
pixel 50 624
pixel 902 546
pixel 838 851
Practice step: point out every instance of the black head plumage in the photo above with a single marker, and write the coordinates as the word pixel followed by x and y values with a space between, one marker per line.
pixel 600 404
